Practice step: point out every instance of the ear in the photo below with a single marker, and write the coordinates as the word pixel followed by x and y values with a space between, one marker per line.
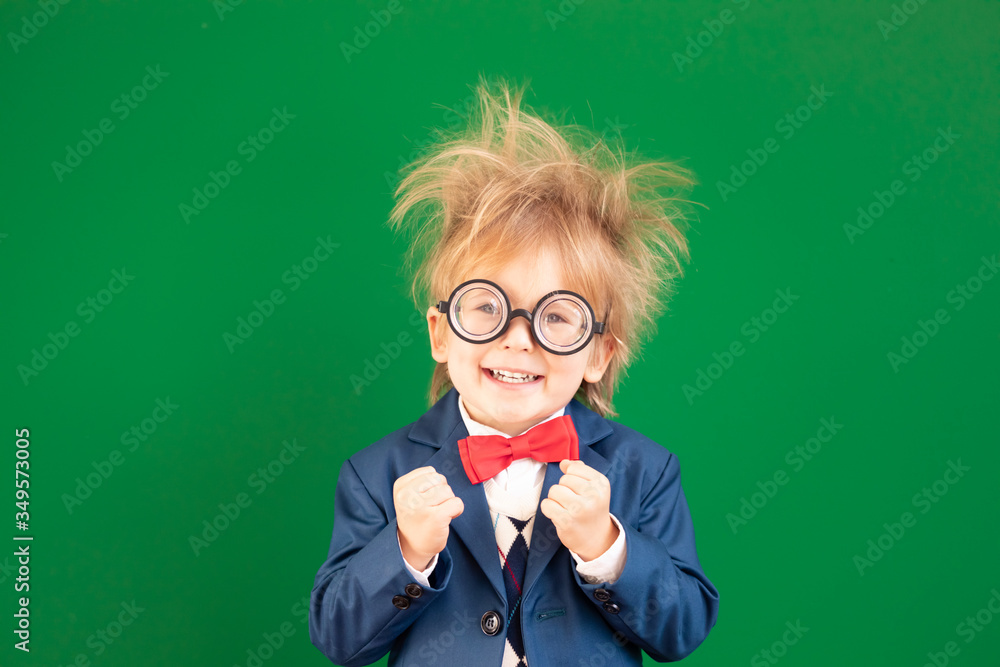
pixel 600 357
pixel 437 328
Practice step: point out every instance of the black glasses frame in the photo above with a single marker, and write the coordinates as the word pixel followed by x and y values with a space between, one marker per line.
pixel 597 328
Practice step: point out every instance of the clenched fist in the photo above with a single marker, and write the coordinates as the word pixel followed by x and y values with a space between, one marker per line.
pixel 579 506
pixel 425 506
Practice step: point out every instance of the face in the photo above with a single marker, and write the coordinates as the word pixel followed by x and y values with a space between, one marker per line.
pixel 513 407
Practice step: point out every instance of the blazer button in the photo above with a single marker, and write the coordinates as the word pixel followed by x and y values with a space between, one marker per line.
pixel 611 608
pixel 602 595
pixel 400 602
pixel 413 590
pixel 490 623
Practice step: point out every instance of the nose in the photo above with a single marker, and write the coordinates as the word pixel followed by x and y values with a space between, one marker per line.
pixel 518 334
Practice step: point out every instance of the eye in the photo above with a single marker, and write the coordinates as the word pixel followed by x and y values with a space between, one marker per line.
pixel 487 308
pixel 552 318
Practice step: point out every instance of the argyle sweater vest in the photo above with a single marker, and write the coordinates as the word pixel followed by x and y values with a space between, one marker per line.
pixel 513 519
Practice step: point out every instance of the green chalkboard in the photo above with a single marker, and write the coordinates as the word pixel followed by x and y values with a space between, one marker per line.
pixel 194 242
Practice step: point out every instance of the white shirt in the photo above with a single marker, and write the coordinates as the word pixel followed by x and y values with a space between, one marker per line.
pixel 516 491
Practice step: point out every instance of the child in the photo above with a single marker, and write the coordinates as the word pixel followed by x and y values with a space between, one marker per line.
pixel 513 524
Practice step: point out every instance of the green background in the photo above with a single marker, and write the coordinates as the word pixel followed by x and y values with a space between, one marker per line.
pixel 329 174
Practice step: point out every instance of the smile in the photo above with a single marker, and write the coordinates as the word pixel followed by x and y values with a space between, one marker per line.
pixel 510 377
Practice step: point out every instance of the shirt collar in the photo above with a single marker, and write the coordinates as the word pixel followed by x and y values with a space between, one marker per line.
pixel 476 428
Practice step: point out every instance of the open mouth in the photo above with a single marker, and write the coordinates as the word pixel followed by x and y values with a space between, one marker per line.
pixel 510 377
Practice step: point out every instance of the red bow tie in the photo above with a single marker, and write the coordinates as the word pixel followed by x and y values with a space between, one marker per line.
pixel 483 456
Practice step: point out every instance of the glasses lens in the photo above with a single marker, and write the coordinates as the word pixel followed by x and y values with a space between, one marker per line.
pixel 564 322
pixel 479 311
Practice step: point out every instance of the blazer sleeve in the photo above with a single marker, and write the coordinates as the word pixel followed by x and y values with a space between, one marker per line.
pixel 353 615
pixel 663 602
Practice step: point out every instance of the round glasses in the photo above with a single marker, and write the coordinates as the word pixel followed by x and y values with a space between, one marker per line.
pixel 561 323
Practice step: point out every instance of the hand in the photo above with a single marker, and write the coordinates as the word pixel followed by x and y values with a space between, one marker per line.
pixel 425 506
pixel 579 507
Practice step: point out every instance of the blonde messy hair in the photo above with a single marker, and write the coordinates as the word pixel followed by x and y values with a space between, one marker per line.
pixel 509 181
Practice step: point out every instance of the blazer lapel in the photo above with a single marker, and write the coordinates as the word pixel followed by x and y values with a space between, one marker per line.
pixel 590 427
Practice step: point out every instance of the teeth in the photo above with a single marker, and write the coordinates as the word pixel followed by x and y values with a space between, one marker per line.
pixel 514 378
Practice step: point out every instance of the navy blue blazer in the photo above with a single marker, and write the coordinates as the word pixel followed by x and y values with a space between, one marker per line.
pixel 365 602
